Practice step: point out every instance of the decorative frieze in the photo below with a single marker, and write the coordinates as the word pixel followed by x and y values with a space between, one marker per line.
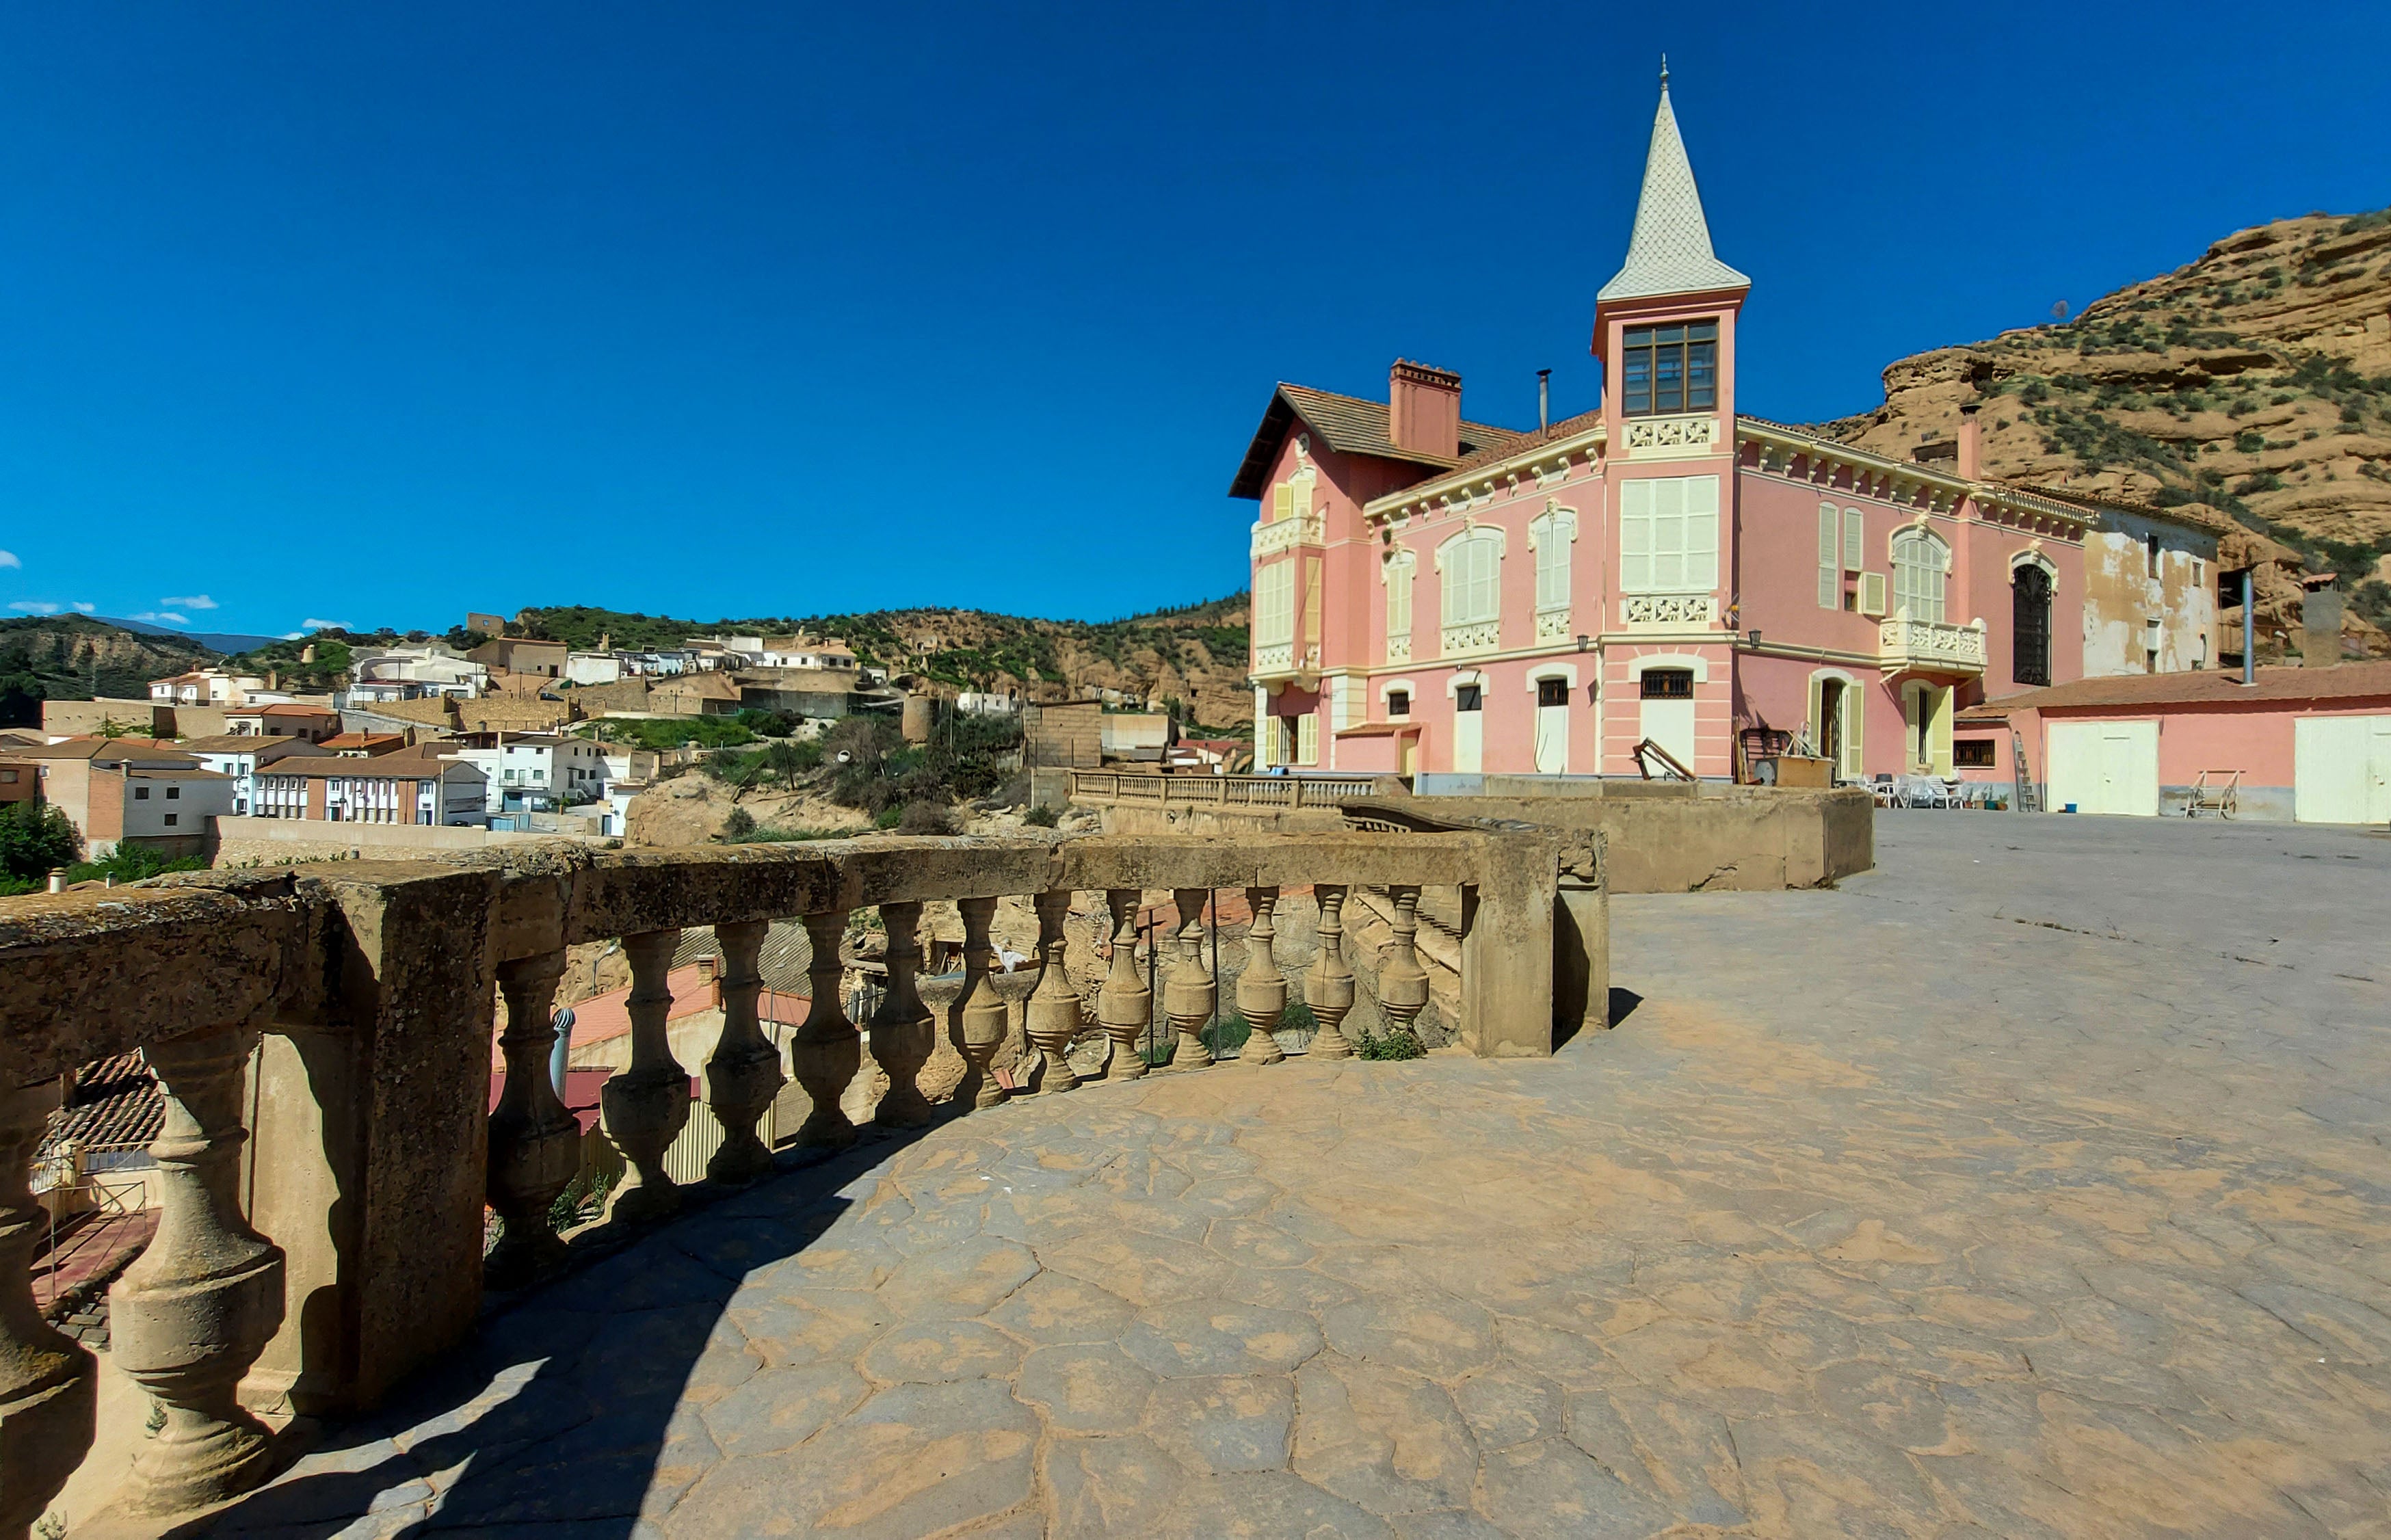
pixel 1552 624
pixel 1671 609
pixel 1274 658
pixel 1398 649
pixel 1671 437
pixel 1483 637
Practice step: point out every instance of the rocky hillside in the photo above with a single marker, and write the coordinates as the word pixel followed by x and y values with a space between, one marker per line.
pixel 1196 654
pixel 74 658
pixel 2257 380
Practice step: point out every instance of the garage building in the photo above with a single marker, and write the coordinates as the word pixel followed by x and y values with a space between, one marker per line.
pixel 2312 744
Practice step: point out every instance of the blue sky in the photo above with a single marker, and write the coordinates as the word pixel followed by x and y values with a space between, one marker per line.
pixel 374 315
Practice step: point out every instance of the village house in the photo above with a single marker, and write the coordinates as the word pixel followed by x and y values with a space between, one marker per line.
pixel 395 788
pixel 239 756
pixel 284 719
pixel 522 655
pixel 130 790
pixel 413 673
pixel 206 687
pixel 539 772
pixel 1436 595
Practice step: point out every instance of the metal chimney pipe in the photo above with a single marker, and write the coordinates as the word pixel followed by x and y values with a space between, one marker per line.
pixel 1543 400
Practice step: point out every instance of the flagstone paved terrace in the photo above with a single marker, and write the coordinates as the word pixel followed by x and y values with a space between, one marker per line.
pixel 2035 1184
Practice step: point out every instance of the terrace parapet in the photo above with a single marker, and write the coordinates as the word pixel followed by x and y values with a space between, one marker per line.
pixel 324 1037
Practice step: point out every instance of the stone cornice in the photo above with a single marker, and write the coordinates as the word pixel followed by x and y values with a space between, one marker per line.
pixel 1500 478
pixel 1890 479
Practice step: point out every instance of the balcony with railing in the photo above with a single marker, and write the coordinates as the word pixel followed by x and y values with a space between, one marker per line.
pixel 323 1037
pixel 1904 645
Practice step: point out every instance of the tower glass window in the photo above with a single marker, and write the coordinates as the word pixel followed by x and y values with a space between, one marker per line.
pixel 1669 368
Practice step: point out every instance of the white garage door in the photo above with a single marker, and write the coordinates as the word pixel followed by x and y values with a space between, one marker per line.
pixel 2105 767
pixel 2341 769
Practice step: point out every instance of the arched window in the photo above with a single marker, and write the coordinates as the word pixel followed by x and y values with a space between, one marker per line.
pixel 1918 562
pixel 2030 624
pixel 1471 565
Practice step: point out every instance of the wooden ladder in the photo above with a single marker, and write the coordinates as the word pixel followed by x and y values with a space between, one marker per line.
pixel 2027 799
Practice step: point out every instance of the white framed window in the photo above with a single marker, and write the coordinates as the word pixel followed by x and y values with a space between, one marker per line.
pixel 1275 604
pixel 1920 561
pixel 1293 497
pixel 1668 534
pixel 1552 534
pixel 1471 566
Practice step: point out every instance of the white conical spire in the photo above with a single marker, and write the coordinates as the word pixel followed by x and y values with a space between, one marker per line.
pixel 1670 252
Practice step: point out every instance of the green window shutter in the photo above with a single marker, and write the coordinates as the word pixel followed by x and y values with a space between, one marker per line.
pixel 1831 576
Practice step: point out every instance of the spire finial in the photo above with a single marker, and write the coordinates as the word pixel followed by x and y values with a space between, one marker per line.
pixel 1664 72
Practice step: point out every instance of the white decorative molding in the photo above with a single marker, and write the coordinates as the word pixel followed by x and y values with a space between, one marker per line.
pixel 1551 624
pixel 1274 659
pixel 1935 645
pixel 1398 649
pixel 1285 535
pixel 1484 636
pixel 1671 437
pixel 1672 609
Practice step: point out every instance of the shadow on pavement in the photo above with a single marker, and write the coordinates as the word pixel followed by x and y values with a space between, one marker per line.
pixel 564 1408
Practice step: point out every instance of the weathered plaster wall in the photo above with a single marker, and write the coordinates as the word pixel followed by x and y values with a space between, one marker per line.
pixel 2123 593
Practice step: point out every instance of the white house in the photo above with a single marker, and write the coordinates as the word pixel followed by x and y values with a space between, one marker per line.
pixel 542 765
pixel 238 756
pixel 410 673
pixel 205 687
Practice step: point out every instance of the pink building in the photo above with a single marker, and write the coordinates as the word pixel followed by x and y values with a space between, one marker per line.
pixel 1436 595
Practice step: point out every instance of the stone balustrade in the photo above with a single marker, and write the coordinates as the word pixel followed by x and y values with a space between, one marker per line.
pixel 323 1039
pixel 1107 788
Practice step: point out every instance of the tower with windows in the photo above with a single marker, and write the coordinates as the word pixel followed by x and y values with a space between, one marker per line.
pixel 1664 328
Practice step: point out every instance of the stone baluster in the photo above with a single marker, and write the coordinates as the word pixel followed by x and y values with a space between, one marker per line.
pixel 189 1319
pixel 1053 1010
pixel 49 1382
pixel 1189 995
pixel 742 1074
pixel 977 1023
pixel 1402 983
pixel 1261 991
pixel 1328 986
pixel 534 1143
pixel 901 1030
pixel 645 1107
pixel 826 1052
pixel 1125 1006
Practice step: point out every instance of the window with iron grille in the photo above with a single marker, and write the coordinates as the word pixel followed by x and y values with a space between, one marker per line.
pixel 1668 684
pixel 2030 626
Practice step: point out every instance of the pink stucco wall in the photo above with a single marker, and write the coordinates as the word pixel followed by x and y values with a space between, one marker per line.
pixel 2257 739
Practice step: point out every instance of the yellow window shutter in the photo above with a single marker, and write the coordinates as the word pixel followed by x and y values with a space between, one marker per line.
pixel 1872 593
pixel 1818 718
pixel 1307 748
pixel 1282 502
pixel 1311 601
pixel 1855 540
pixel 1946 709
pixel 1854 731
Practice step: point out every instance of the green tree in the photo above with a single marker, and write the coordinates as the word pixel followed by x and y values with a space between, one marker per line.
pixel 35 836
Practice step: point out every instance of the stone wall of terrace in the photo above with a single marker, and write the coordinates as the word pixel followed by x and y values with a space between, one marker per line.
pixel 322 1034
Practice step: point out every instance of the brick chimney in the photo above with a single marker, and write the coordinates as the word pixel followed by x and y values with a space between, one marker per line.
pixel 1972 443
pixel 1424 409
